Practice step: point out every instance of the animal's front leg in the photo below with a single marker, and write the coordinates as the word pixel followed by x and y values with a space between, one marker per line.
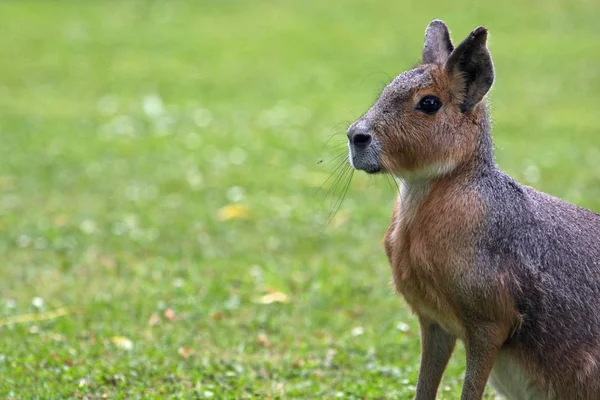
pixel 482 345
pixel 436 348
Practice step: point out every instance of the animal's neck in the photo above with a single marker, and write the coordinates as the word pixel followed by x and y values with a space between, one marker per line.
pixel 412 193
pixel 482 158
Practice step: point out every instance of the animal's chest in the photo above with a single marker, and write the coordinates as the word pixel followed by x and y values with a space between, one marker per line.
pixel 424 277
pixel 430 248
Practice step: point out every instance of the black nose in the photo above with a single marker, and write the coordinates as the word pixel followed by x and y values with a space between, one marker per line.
pixel 359 137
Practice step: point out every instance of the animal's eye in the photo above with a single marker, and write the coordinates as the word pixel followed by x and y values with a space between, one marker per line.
pixel 429 104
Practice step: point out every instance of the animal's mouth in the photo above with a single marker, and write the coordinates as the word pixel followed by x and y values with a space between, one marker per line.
pixel 374 170
pixel 365 159
pixel 368 166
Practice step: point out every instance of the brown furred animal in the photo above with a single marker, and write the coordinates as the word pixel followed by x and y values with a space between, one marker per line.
pixel 512 272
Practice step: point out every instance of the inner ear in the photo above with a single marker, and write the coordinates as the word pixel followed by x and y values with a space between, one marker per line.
pixel 438 45
pixel 471 70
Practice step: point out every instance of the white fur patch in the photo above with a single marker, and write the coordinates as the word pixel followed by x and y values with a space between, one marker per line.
pixel 350 156
pixel 429 172
pixel 414 186
pixel 411 195
pixel 513 383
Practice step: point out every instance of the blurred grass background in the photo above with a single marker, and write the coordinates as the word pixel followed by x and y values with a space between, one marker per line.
pixel 158 185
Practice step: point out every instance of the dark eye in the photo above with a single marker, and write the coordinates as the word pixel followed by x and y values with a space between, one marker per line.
pixel 429 104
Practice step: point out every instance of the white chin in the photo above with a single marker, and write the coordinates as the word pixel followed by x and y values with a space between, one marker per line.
pixel 350 156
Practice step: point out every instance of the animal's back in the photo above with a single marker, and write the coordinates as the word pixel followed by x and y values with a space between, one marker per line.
pixel 553 249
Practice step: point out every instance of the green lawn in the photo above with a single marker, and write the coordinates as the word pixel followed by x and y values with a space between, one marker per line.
pixel 159 175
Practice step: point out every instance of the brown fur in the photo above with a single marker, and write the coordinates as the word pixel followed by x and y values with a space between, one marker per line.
pixel 431 253
pixel 428 261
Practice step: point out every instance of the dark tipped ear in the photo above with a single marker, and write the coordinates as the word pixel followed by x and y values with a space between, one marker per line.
pixel 438 45
pixel 471 69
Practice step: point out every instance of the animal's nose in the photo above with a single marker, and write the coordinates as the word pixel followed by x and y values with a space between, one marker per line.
pixel 359 136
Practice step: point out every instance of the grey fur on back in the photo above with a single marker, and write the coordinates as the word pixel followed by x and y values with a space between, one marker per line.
pixel 552 250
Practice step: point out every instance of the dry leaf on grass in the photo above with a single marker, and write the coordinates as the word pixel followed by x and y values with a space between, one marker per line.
pixel 154 320
pixel 232 211
pixel 263 340
pixel 43 316
pixel 273 297
pixel 185 352
pixel 217 315
pixel 357 331
pixel 56 357
pixel 108 262
pixel 60 221
pixel 402 327
pixel 122 342
pixel 169 314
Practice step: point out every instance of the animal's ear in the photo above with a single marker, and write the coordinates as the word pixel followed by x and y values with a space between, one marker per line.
pixel 438 45
pixel 471 70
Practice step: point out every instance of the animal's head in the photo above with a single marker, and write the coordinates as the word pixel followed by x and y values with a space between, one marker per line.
pixel 426 121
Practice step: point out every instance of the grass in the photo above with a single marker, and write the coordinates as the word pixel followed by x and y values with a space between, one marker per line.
pixel 159 174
